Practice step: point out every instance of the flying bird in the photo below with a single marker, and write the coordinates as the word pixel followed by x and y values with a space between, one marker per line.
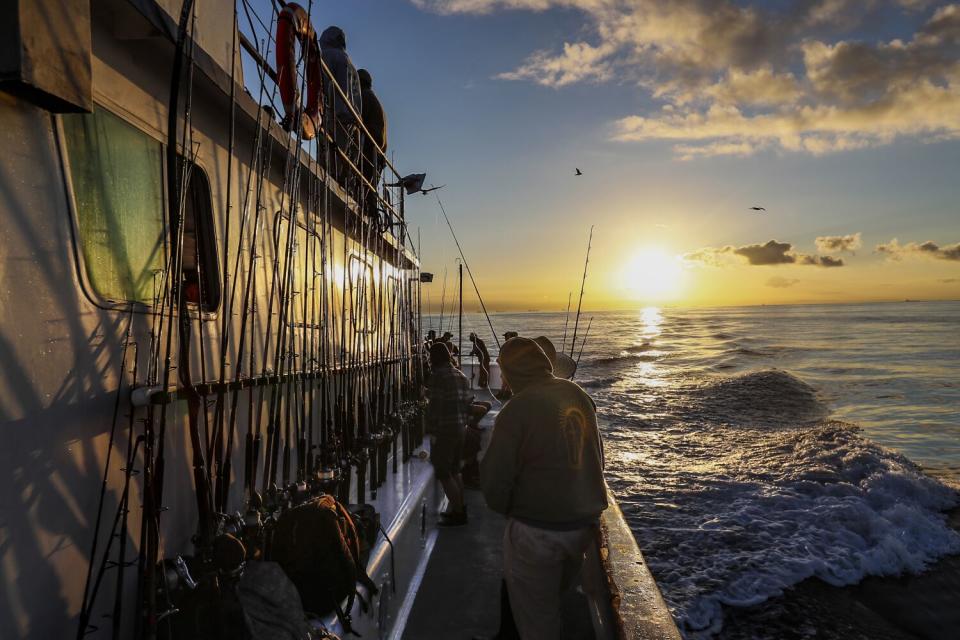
pixel 432 188
pixel 757 209
pixel 411 183
pixel 578 173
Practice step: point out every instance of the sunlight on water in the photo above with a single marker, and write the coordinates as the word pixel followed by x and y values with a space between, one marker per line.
pixel 651 319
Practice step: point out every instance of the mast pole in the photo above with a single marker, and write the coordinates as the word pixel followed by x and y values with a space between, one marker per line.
pixel 460 321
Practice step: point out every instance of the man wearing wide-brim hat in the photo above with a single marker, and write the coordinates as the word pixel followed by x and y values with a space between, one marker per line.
pixel 563 365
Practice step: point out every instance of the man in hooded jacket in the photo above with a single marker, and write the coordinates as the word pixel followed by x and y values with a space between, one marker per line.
pixel 543 469
pixel 374 145
pixel 333 46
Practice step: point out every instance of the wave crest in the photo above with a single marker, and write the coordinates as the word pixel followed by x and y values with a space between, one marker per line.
pixel 770 397
pixel 793 504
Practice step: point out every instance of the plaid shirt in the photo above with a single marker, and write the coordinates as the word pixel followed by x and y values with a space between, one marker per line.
pixel 450 398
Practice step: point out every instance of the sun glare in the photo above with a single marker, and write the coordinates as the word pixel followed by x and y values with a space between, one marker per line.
pixel 652 274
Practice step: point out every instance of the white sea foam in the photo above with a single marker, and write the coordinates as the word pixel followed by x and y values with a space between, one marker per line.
pixel 766 505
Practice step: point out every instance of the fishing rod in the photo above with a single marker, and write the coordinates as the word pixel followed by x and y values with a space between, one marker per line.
pixel 313 328
pixel 123 508
pixel 583 284
pixel 309 346
pixel 329 450
pixel 566 321
pixel 258 252
pixel 185 329
pixel 582 345
pixel 86 603
pixel 469 271
pixel 282 359
pixel 279 291
pixel 228 288
pixel 153 481
pixel 247 315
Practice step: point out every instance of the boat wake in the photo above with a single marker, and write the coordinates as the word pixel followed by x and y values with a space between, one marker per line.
pixel 746 491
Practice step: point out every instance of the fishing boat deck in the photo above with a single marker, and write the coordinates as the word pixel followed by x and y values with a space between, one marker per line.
pixel 459 591
pixel 455 593
pixel 459 596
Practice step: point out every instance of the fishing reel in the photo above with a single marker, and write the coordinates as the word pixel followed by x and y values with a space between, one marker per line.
pixel 175 576
pixel 327 475
pixel 190 595
pixel 380 445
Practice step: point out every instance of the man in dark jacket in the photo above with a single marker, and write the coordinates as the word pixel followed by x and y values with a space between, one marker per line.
pixel 448 412
pixel 338 114
pixel 543 469
pixel 374 145
pixel 479 350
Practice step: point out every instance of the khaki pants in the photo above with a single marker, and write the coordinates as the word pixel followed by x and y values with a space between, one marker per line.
pixel 539 565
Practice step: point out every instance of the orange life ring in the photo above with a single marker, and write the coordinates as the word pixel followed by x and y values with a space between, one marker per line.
pixel 293 25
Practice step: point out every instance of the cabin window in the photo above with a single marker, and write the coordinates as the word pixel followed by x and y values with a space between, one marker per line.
pixel 117 176
pixel 363 295
pixel 200 269
pixel 304 286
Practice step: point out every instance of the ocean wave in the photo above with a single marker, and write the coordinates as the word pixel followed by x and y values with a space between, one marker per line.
pixel 779 507
pixel 770 397
pixel 623 357
pixel 600 382
pixel 743 351
pixel 640 348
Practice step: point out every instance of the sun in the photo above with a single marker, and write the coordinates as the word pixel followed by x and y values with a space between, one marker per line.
pixel 652 274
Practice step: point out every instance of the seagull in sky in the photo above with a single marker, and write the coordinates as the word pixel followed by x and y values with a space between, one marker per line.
pixel 432 188
pixel 578 173
pixel 757 209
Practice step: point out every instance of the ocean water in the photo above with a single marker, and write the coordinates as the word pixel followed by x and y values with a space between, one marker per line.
pixel 753 448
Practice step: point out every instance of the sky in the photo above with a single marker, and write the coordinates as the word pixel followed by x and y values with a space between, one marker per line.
pixel 841 118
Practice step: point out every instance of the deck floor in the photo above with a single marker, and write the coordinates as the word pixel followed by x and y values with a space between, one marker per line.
pixel 459 597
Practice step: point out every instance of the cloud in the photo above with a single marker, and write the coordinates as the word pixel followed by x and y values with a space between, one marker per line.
pixel 735 78
pixel 770 253
pixel 711 256
pixel 949 280
pixel 578 62
pixel 781 283
pixel 896 251
pixel 833 244
pixel 820 261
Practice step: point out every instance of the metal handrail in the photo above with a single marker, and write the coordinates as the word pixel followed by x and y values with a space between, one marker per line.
pixel 259 59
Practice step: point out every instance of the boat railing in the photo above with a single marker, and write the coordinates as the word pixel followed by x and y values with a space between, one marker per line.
pixel 331 124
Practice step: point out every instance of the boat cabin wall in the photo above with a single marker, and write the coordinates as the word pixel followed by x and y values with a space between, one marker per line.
pixel 68 277
pixel 214 27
